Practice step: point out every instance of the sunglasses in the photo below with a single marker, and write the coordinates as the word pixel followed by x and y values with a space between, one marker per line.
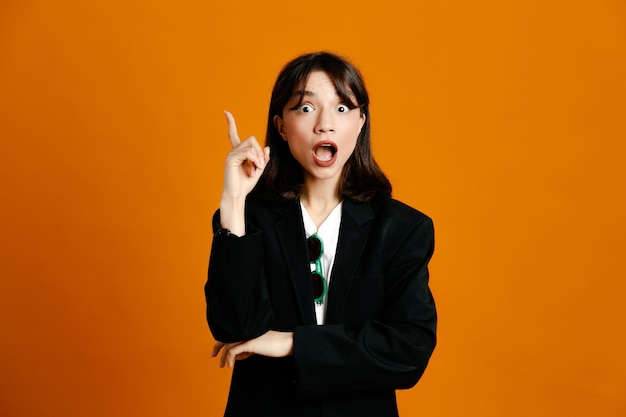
pixel 316 249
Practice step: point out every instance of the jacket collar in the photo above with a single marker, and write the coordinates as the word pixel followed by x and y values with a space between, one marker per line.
pixel 352 239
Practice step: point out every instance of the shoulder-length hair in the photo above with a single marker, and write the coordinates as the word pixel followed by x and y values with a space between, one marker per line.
pixel 361 179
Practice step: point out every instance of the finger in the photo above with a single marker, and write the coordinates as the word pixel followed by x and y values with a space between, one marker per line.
pixel 216 348
pixel 256 153
pixel 257 166
pixel 234 351
pixel 228 357
pixel 266 154
pixel 248 159
pixel 243 355
pixel 233 135
pixel 252 156
pixel 225 352
pixel 249 150
pixel 251 169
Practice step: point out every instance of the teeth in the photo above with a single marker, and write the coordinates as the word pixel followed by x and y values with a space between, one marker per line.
pixel 325 152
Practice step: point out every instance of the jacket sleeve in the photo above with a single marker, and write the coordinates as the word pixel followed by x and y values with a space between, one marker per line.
pixel 388 353
pixel 238 306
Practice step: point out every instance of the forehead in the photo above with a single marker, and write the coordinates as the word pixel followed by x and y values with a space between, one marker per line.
pixel 319 77
pixel 315 80
pixel 320 82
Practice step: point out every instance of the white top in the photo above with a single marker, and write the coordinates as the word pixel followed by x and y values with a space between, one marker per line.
pixel 329 233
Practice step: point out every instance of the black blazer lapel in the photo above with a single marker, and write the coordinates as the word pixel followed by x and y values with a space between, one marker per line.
pixel 352 239
pixel 290 231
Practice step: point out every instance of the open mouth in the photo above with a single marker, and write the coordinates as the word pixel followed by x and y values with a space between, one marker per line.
pixel 325 153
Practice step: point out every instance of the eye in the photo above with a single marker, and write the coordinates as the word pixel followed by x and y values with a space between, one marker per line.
pixel 342 108
pixel 306 108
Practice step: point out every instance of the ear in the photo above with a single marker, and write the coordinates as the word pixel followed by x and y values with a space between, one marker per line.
pixel 362 121
pixel 278 124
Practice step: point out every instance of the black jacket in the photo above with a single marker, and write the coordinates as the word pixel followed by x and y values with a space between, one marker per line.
pixel 380 319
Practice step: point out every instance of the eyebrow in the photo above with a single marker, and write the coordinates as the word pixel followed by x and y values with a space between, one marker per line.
pixel 303 93
pixel 306 93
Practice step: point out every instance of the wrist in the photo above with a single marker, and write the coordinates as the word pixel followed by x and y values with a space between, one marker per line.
pixel 232 204
pixel 232 215
pixel 289 343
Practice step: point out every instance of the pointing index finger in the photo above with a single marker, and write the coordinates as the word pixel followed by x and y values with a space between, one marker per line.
pixel 233 135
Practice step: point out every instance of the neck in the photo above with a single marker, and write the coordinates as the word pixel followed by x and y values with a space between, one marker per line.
pixel 320 200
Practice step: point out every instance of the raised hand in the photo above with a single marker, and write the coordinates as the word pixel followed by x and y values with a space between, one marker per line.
pixel 244 165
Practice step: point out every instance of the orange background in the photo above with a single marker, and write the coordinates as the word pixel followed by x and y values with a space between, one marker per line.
pixel 504 121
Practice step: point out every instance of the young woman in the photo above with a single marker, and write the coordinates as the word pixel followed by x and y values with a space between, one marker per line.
pixel 318 282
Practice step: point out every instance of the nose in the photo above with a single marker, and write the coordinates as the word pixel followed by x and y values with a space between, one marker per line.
pixel 325 122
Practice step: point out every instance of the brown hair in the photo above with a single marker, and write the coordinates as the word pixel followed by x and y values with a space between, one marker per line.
pixel 361 178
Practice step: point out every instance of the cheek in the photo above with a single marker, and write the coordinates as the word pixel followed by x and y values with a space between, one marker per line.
pixel 348 146
pixel 294 129
pixel 298 148
pixel 356 131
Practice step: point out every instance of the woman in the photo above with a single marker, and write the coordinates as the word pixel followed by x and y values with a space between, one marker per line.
pixel 318 283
